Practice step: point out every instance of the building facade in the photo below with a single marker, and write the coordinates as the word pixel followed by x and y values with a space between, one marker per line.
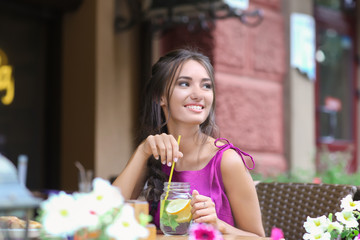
pixel 78 82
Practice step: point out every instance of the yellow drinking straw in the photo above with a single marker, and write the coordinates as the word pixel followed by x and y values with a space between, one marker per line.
pixel 172 170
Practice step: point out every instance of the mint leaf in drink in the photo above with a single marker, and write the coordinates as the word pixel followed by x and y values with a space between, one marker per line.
pixel 168 219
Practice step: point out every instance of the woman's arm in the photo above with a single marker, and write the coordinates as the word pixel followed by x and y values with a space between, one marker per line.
pixel 242 195
pixel 131 180
pixel 203 210
pixel 241 192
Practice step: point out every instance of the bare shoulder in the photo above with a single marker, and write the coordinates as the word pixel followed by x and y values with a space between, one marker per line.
pixel 232 163
pixel 230 158
pixel 235 175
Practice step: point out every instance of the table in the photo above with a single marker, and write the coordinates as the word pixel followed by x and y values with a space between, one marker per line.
pixel 226 237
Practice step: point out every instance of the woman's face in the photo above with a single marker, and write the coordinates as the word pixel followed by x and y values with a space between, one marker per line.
pixel 192 95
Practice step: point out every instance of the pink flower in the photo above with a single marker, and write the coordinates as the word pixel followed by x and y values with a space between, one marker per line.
pixel 276 234
pixel 202 231
pixel 317 180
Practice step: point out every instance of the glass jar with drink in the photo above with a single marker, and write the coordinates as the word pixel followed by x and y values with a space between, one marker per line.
pixel 175 208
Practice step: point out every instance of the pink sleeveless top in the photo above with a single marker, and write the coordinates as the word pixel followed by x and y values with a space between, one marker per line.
pixel 208 182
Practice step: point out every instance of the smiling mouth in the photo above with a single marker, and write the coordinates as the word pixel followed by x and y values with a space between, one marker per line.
pixel 195 107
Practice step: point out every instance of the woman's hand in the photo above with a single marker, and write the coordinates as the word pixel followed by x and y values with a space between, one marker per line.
pixel 203 209
pixel 163 147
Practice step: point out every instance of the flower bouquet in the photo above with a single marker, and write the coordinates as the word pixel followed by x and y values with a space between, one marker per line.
pixel 101 214
pixel 346 227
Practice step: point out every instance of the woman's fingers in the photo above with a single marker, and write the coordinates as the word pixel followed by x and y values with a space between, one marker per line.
pixel 151 143
pixel 194 193
pixel 201 206
pixel 196 198
pixel 205 215
pixel 203 209
pixel 169 148
pixel 174 150
pixel 163 147
pixel 208 218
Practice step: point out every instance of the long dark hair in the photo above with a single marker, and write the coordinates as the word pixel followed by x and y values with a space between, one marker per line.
pixel 153 120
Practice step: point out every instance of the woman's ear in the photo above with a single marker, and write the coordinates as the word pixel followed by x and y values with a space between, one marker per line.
pixel 162 101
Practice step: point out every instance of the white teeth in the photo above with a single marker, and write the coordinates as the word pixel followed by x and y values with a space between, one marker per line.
pixel 194 107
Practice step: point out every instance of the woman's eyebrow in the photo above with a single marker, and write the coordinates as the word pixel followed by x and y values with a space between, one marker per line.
pixel 190 78
pixel 186 77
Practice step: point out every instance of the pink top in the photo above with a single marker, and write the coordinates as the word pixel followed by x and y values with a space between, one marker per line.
pixel 208 182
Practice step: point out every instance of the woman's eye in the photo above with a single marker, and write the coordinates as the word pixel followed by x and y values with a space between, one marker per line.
pixel 208 85
pixel 183 84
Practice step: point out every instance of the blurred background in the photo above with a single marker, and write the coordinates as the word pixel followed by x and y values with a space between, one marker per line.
pixel 72 72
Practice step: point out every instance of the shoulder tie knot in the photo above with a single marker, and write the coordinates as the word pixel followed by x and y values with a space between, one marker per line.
pixel 241 153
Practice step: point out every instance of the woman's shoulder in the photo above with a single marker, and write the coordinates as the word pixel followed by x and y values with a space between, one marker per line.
pixel 232 156
pixel 218 144
pixel 232 160
pixel 232 165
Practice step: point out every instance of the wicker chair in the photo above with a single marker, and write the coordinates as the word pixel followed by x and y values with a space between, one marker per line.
pixel 287 205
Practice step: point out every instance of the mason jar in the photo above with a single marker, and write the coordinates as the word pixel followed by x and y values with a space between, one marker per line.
pixel 175 208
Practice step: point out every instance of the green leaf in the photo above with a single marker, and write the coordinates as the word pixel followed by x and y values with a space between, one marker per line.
pixel 334 234
pixel 353 233
pixel 144 219
pixel 168 219
pixel 173 222
pixel 343 234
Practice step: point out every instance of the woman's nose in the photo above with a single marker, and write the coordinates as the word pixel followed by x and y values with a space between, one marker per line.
pixel 196 93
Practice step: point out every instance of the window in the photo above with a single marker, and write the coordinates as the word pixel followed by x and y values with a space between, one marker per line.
pixel 336 75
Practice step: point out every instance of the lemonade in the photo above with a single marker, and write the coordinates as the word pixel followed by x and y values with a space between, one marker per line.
pixel 175 208
pixel 175 216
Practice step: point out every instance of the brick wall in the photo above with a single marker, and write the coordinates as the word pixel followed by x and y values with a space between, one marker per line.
pixel 250 67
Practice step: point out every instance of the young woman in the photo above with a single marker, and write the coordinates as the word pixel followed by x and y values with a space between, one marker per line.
pixel 180 100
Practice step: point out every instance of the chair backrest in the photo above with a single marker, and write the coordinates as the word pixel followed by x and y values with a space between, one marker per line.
pixel 287 205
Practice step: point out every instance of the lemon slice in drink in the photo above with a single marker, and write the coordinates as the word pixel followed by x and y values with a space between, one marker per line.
pixel 185 215
pixel 181 208
pixel 177 205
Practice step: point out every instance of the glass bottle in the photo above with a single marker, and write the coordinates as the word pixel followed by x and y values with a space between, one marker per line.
pixel 175 208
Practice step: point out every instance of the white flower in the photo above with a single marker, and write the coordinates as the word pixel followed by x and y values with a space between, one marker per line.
pixel 103 198
pixel 347 218
pixel 317 235
pixel 83 206
pixel 101 210
pixel 59 215
pixel 319 224
pixel 126 226
pixel 334 226
pixel 348 204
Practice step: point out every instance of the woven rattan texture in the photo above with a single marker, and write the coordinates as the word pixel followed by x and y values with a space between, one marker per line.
pixel 287 205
